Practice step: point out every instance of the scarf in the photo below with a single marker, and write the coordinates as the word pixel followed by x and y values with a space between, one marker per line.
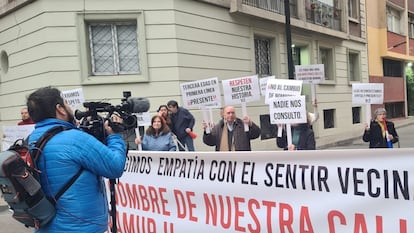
pixel 382 125
pixel 224 142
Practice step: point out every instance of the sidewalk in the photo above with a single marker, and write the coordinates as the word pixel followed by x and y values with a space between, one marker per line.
pixel 349 137
pixel 2 202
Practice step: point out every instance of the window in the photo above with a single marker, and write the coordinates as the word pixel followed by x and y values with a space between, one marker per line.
pixel 392 68
pixel 296 56
pixel 326 58
pixel 328 118
pixel 262 53
pixel 354 66
pixel 393 20
pixel 411 26
pixel 353 9
pixel 356 115
pixel 395 110
pixel 267 129
pixel 114 48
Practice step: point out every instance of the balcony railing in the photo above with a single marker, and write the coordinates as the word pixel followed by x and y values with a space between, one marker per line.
pixel 316 12
pixel 277 6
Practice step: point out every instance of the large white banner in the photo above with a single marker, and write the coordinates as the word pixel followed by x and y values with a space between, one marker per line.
pixel 341 191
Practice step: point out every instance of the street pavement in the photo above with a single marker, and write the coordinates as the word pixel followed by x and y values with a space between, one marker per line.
pixel 404 128
pixel 8 224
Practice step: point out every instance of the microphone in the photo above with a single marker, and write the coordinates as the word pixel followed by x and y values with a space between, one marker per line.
pixel 138 105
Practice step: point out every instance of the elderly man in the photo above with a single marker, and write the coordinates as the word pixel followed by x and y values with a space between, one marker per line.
pixel 229 134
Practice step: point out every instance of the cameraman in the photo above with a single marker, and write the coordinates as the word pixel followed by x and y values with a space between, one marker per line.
pixel 83 207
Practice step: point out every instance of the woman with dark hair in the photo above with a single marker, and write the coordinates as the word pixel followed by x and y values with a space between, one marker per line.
pixel 164 113
pixel 380 133
pixel 157 137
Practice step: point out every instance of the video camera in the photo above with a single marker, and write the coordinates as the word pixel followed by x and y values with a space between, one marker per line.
pixel 93 123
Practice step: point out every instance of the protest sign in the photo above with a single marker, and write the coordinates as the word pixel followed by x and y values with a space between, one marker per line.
pixel 311 74
pixel 263 84
pixel 243 89
pixel 276 88
pixel 288 110
pixel 74 98
pixel 201 93
pixel 367 93
pixel 274 191
pixel 13 133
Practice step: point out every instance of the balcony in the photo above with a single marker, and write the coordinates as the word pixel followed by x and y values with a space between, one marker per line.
pixel 277 6
pixel 324 15
pixel 317 12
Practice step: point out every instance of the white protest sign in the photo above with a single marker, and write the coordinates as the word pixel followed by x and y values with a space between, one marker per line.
pixel 367 93
pixel 288 110
pixel 276 88
pixel 310 73
pixel 143 118
pixel 74 97
pixel 263 84
pixel 201 93
pixel 243 89
pixel 12 133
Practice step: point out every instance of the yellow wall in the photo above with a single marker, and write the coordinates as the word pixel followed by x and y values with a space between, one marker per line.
pixel 376 44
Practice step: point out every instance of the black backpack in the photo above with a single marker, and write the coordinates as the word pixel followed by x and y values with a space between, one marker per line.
pixel 20 182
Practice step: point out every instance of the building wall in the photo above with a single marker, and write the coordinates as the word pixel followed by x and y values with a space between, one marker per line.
pixel 184 41
pixel 385 44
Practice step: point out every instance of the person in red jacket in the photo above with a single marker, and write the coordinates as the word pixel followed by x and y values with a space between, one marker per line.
pixel 26 120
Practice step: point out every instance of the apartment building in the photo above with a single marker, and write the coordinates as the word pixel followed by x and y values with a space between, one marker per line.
pixel 390 33
pixel 149 47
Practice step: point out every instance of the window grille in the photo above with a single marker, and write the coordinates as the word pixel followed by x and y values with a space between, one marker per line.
pixel 114 48
pixel 356 115
pixel 329 118
pixel 262 56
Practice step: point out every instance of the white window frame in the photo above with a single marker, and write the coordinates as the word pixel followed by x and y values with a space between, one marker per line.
pixel 353 9
pixel 116 58
pixel 84 20
pixel 330 75
pixel 411 26
pixel 354 68
pixel 393 20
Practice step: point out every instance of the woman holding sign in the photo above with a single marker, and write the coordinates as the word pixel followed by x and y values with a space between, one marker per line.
pixel 381 133
pixel 303 137
pixel 158 136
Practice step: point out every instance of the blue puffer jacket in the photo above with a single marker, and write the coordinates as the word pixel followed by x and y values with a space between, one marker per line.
pixel 83 207
pixel 162 142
